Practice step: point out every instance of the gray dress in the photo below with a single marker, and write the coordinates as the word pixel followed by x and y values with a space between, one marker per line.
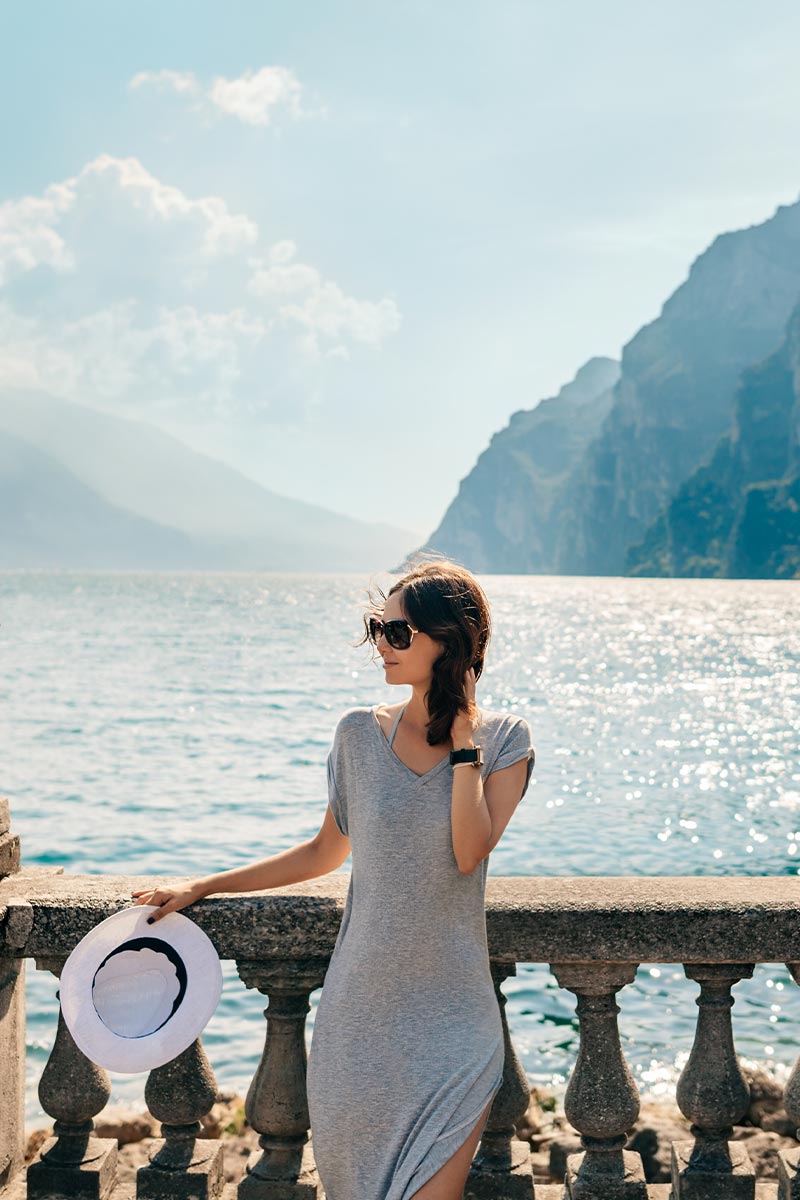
pixel 407 1047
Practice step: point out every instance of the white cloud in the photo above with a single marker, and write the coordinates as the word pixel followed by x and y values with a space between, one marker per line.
pixel 254 97
pixel 282 252
pixel 17 370
pixel 208 221
pixel 182 82
pixel 117 197
pixel 28 237
pixel 320 308
pixel 279 281
pixel 123 291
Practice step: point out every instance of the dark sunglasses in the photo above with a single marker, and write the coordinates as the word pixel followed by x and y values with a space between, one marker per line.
pixel 399 633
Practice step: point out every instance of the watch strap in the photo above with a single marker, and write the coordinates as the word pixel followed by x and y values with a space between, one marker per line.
pixel 469 754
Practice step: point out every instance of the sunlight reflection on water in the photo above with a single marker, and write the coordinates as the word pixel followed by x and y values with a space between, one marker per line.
pixel 180 723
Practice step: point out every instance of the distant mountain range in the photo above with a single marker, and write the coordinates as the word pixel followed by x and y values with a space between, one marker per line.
pixel 50 518
pixel 80 487
pixel 682 459
pixel 593 481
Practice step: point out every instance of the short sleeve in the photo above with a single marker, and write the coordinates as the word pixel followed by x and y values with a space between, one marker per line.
pixel 337 799
pixel 517 743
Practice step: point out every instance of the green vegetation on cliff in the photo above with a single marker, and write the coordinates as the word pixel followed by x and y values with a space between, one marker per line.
pixel 738 516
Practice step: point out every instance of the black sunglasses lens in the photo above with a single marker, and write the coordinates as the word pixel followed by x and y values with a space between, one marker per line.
pixel 398 634
pixel 374 629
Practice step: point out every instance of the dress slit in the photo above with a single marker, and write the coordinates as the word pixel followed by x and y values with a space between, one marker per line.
pixel 442 1151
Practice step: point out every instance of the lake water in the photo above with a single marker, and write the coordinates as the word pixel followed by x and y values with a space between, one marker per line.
pixel 179 723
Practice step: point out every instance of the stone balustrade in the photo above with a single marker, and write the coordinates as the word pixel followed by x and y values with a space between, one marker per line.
pixel 593 931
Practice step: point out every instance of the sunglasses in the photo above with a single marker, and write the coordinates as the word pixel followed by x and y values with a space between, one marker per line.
pixel 398 633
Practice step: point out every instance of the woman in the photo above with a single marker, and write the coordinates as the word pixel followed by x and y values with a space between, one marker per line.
pixel 407 1049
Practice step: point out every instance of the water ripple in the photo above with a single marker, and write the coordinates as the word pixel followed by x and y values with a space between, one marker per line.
pixel 179 723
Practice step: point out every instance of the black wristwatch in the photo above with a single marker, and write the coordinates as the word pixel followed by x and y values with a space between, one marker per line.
pixel 470 754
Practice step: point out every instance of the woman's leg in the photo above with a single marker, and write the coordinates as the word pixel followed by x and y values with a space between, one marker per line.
pixel 450 1180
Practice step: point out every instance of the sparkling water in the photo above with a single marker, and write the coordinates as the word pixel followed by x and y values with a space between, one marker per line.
pixel 179 723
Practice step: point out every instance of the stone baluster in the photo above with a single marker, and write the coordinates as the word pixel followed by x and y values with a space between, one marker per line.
pixel 789 1160
pixel 12 1063
pixel 73 1091
pixel 713 1093
pixel 601 1100
pixel 502 1165
pixel 276 1105
pixel 9 843
pixel 12 1017
pixel 181 1165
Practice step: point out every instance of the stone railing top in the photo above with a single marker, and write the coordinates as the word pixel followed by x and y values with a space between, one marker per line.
pixel 667 919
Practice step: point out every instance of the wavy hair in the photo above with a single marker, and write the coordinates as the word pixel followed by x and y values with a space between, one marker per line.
pixel 444 600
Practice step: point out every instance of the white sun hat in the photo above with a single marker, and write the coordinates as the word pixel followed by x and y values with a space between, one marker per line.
pixel 134 995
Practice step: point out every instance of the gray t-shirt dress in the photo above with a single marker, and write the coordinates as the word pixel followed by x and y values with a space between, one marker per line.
pixel 407 1046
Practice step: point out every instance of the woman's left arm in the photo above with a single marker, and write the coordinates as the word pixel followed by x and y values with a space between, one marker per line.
pixel 480 812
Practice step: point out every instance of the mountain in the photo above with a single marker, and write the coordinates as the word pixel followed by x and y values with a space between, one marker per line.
pixel 505 517
pixel 675 396
pixel 568 488
pixel 51 519
pixel 738 516
pixel 232 522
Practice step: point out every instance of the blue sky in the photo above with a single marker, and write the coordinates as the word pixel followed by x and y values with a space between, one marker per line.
pixel 339 244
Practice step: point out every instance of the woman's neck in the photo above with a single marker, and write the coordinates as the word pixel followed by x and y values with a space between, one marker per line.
pixel 415 712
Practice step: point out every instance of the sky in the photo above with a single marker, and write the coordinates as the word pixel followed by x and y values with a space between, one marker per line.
pixel 338 245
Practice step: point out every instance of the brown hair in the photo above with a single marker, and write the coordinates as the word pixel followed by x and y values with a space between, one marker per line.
pixel 444 600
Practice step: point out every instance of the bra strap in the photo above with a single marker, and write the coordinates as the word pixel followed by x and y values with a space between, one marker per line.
pixel 396 723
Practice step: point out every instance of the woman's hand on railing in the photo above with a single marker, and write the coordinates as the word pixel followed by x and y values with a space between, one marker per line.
pixel 169 899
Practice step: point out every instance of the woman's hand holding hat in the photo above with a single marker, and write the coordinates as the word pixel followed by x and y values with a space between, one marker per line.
pixel 134 997
pixel 169 899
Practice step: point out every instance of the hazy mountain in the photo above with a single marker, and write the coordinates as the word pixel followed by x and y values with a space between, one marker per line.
pixel 232 521
pixel 48 518
pixel 568 487
pixel 675 397
pixel 505 517
pixel 739 515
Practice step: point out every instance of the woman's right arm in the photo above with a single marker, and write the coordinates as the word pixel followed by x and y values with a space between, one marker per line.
pixel 321 854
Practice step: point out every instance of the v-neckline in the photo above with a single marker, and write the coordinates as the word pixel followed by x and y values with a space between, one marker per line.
pixel 395 757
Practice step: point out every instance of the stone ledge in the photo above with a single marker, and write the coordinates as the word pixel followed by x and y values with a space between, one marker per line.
pixel 529 918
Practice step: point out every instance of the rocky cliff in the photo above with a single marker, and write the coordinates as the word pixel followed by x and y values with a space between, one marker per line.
pixel 675 397
pixel 569 488
pixel 738 516
pixel 505 517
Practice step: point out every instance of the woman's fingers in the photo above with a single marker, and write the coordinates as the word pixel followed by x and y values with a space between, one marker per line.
pixel 166 900
pixel 165 908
